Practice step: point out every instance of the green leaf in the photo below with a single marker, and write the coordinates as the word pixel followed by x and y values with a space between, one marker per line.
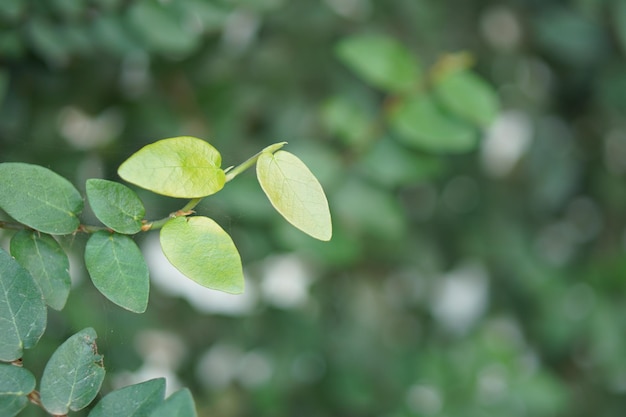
pixel 423 126
pixel 118 270
pixel 295 193
pixel 132 401
pixel 199 248
pixel 348 119
pixel 73 375
pixel 183 167
pixel 47 263
pixel 23 312
pixel 39 198
pixel 179 403
pixel 381 61
pixel 15 384
pixel 115 205
pixel 468 96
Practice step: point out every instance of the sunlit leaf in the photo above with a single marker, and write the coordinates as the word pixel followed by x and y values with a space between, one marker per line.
pixel 468 96
pixel 23 312
pixel 73 375
pixel 199 248
pixel 15 384
pixel 295 193
pixel 118 270
pixel 380 60
pixel 421 125
pixel 115 205
pixel 39 198
pixel 183 167
pixel 179 403
pixel 47 263
pixel 132 401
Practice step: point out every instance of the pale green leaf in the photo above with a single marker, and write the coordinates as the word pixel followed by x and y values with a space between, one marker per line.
pixel 23 311
pixel 39 198
pixel 136 400
pixel 118 270
pixel 115 205
pixel 15 384
pixel 295 193
pixel 200 249
pixel 381 61
pixel 73 375
pixel 179 403
pixel 47 263
pixel 183 167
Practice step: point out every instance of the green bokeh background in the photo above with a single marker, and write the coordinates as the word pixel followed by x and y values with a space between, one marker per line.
pixel 477 284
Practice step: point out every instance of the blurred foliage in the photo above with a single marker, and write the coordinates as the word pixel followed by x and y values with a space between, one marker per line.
pixel 482 283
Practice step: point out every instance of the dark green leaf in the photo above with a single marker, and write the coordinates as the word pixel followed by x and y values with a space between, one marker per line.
pixel 22 309
pixel 179 403
pixel 137 400
pixel 381 61
pixel 15 384
pixel 39 198
pixel 118 270
pixel 47 263
pixel 115 205
pixel 199 248
pixel 423 126
pixel 73 375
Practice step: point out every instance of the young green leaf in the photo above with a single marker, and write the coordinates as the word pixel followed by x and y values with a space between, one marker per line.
pixel 23 312
pixel 39 198
pixel 381 61
pixel 47 263
pixel 295 193
pixel 115 205
pixel 183 167
pixel 73 375
pixel 468 96
pixel 15 384
pixel 179 403
pixel 199 248
pixel 132 401
pixel 421 125
pixel 118 270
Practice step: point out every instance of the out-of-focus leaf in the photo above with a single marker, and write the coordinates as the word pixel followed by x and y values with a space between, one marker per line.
pixel 115 205
pixel 47 263
pixel 381 61
pixel 132 401
pixel 179 403
pixel 12 9
pixel 295 193
pixel 15 384
pixel 199 248
pixel 118 270
pixel 73 375
pixel 468 96
pixel 47 40
pixel 39 198
pixel 420 124
pixel 23 312
pixel 347 119
pixel 183 167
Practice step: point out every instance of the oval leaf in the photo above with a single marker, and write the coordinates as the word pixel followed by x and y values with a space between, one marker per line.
pixel 183 167
pixel 115 205
pixel 39 198
pixel 199 248
pixel 47 263
pixel 421 125
pixel 73 375
pixel 380 60
pixel 23 312
pixel 118 270
pixel 179 403
pixel 295 193
pixel 132 401
pixel 15 384
pixel 468 96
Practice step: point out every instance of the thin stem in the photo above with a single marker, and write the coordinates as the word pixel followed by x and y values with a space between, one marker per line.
pixel 251 161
